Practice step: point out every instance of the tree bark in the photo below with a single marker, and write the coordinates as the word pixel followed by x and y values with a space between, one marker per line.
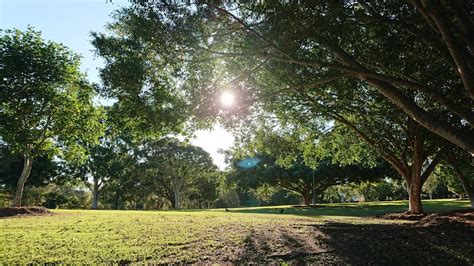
pixel 471 198
pixel 414 195
pixel 25 173
pixel 95 194
pixel 176 202
pixel 405 104
pixel 306 198
pixel 419 115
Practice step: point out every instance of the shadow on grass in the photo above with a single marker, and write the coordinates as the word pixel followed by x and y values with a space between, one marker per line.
pixel 358 209
pixel 401 244
pixel 364 244
pixel 349 210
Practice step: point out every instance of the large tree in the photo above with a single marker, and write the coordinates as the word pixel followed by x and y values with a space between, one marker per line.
pixel 412 151
pixel 398 48
pixel 45 104
pixel 174 167
pixel 264 52
pixel 298 177
pixel 143 73
pixel 292 158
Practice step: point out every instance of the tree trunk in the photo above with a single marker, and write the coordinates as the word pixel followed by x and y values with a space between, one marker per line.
pixel 414 196
pixel 466 185
pixel 363 197
pixel 25 173
pixel 471 198
pixel 306 198
pixel 176 202
pixel 95 194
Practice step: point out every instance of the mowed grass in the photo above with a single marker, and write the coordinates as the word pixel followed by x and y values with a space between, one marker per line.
pixel 79 236
pixel 362 209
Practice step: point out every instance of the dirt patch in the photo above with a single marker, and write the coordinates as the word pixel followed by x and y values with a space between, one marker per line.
pixel 461 217
pixel 308 207
pixel 403 216
pixel 24 211
pixel 341 243
pixel 464 217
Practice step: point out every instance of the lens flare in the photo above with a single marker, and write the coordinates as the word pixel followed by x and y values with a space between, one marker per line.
pixel 248 163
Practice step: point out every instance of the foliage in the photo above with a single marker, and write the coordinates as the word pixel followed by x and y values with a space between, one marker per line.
pixel 143 73
pixel 448 176
pixel 228 198
pixel 45 103
pixel 44 96
pixel 388 48
pixel 173 168
pixel 109 163
pixel 63 196
pixel 46 170
pixel 327 72
pixel 289 158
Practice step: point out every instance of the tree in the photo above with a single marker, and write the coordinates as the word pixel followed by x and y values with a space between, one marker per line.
pixel 390 46
pixel 205 188
pixel 46 169
pixel 286 156
pixel 112 159
pixel 143 73
pixel 431 185
pixel 398 48
pixel 174 167
pixel 340 53
pixel 299 177
pixel 45 104
pixel 459 165
pixel 411 151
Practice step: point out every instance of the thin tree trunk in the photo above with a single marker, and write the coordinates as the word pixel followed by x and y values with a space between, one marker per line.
pixel 468 188
pixel 95 194
pixel 25 173
pixel 176 200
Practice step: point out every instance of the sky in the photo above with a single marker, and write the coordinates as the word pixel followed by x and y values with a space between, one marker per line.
pixel 70 22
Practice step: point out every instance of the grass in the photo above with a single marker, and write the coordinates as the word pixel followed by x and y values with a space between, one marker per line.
pixel 78 236
pixel 362 209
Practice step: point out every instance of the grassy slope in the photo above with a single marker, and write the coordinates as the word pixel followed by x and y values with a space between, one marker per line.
pixel 177 236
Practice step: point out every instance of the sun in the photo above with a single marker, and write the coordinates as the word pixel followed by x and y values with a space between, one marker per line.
pixel 227 99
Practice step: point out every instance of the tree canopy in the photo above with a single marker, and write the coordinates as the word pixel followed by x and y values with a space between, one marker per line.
pixel 45 103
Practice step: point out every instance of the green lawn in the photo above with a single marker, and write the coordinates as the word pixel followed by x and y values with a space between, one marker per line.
pixel 361 209
pixel 241 235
